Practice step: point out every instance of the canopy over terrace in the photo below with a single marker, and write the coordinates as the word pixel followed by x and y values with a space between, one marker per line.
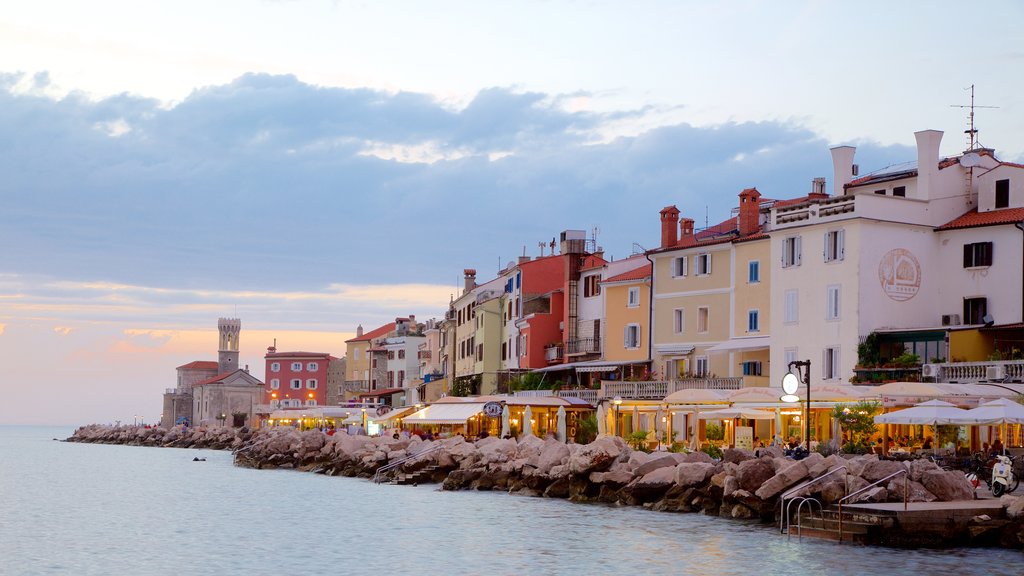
pixel 312 416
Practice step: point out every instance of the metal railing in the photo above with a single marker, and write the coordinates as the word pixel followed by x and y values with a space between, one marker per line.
pixel 906 479
pixel 583 394
pixel 788 494
pixel 587 345
pixel 553 353
pixel 965 372
pixel 658 389
pixel 392 465
pixel 356 386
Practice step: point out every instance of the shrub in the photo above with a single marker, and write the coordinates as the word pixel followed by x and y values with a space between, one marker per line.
pixel 714 432
pixel 713 451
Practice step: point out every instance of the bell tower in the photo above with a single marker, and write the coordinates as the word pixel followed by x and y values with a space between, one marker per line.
pixel 227 350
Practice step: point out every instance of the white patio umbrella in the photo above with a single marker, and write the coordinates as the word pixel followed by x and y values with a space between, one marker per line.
pixel 602 419
pixel 560 425
pixel 636 418
pixel 504 421
pixel 995 413
pixel 528 421
pixel 930 413
pixel 736 412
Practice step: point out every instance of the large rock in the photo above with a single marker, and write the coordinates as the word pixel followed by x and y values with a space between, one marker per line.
pixel 693 473
pixel 615 478
pixel 736 455
pixel 822 465
pixel 856 465
pixel 596 456
pixel 653 464
pixel 730 485
pixel 754 473
pixel 875 470
pixel 694 457
pixel 947 486
pixel 1014 506
pixel 782 480
pixel 529 446
pixel 920 466
pixel 552 454
pixel 497 450
pixel 652 485
pixel 872 495
pixel 916 492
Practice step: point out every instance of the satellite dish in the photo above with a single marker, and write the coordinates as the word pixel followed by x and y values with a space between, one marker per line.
pixel 970 160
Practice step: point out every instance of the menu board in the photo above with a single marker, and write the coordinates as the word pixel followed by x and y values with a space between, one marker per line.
pixel 745 437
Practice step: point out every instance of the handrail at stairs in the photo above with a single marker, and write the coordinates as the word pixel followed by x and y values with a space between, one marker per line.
pixel 392 465
pixel 784 520
pixel 906 478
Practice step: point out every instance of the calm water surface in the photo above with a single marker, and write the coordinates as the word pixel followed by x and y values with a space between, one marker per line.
pixel 93 509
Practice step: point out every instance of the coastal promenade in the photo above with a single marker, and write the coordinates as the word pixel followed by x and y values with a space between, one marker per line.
pixel 941 511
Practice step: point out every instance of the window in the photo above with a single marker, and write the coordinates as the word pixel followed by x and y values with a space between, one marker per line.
pixel 632 336
pixel 391 354
pixel 312 366
pixel 975 310
pixel 401 377
pixel 355 374
pixel 792 307
pixel 790 251
pixel 1002 193
pixel 830 363
pixel 679 267
pixel 790 357
pixel 834 245
pixel 832 303
pixel 311 384
pixel 882 191
pixel 702 319
pixel 754 271
pixel 900 191
pixel 752 368
pixel 591 285
pixel 504 351
pixel 701 366
pixel 296 366
pixel 311 402
pixel 679 320
pixel 977 254
pixel 296 384
pixel 275 383
pixel 633 297
pixel 275 366
pixel 401 354
pixel 703 264
pixel 752 321
pixel 391 378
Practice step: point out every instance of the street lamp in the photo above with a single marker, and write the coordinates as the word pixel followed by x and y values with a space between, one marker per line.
pixel 790 385
pixel 617 401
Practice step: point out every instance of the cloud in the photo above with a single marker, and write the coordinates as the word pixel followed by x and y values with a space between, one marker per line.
pixel 62 330
pixel 271 185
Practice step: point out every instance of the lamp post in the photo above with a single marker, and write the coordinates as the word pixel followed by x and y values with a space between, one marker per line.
pixel 617 401
pixel 791 384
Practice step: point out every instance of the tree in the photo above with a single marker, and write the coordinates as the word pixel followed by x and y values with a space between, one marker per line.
pixel 858 422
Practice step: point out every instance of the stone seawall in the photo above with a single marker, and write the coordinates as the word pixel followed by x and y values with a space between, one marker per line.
pixel 742 485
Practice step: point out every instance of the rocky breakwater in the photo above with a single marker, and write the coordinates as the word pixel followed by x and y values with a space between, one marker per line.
pixel 213 438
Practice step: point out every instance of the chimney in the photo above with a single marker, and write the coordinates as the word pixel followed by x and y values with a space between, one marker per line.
pixel 927 161
pixel 469 280
pixel 748 222
pixel 412 321
pixel 523 259
pixel 359 331
pixel 686 230
pixel 818 188
pixel 842 168
pixel 669 217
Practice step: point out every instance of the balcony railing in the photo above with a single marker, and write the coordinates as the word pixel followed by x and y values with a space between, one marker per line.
pixel 588 345
pixel 423 354
pixel 657 390
pixel 553 353
pixel 584 394
pixel 964 372
pixel 356 386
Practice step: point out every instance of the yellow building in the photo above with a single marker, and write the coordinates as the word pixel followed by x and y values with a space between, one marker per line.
pixel 359 362
pixel 627 313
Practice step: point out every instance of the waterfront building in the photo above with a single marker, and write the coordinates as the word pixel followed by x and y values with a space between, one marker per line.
pixel 626 294
pixel 335 380
pixel 297 378
pixel 360 359
pixel 431 354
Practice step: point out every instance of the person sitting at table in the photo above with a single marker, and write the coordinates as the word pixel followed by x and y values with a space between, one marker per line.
pixel 927 443
pixel 997 447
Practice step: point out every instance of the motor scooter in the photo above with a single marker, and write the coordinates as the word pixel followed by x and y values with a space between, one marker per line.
pixel 1003 478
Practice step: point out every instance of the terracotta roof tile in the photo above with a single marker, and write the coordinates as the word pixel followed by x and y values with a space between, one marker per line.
pixel 384 392
pixel 634 274
pixel 382 331
pixel 199 365
pixel 975 219
pixel 297 354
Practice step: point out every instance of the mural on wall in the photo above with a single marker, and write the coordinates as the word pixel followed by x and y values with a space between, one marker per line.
pixel 899 273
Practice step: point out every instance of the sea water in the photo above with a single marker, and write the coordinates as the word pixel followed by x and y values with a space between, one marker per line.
pixel 69 508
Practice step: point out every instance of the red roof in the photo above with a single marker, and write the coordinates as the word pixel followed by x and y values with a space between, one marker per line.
pixel 382 331
pixel 592 261
pixel 975 219
pixel 299 354
pixel 216 378
pixel 634 274
pixel 384 392
pixel 199 365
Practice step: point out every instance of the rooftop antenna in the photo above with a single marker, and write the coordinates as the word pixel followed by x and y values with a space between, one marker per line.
pixel 971 132
pixel 541 245
pixel 706 225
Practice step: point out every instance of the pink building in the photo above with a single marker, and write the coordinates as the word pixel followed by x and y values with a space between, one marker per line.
pixel 296 379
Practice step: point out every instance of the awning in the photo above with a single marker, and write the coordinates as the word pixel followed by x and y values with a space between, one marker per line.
pixel 445 413
pixel 736 344
pixel 392 414
pixel 589 366
pixel 674 349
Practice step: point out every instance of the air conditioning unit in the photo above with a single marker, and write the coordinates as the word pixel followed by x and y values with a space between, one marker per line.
pixel 994 373
pixel 950 319
pixel 930 370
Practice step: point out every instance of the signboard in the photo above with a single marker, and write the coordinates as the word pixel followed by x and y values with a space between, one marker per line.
pixel 745 437
pixel 383 409
pixel 492 409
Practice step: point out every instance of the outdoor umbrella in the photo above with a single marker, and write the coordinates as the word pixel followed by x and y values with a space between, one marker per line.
pixel 528 422
pixel 504 421
pixel 997 412
pixel 930 413
pixel 560 426
pixel 602 419
pixel 636 418
pixel 736 412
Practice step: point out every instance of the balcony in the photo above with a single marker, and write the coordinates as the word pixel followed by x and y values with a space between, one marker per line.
pixel 967 372
pixel 657 390
pixel 423 355
pixel 554 354
pixel 589 345
pixel 356 386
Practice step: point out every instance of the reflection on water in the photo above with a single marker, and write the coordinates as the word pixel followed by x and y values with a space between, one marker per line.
pixel 91 509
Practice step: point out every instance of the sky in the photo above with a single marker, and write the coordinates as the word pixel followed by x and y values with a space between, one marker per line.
pixel 310 166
